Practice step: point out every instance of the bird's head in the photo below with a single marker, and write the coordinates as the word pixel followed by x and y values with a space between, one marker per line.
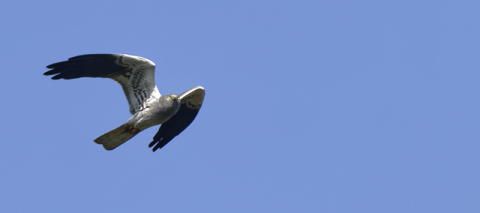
pixel 172 96
pixel 165 107
pixel 170 101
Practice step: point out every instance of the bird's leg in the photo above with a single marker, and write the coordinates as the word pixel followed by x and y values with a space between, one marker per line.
pixel 144 106
pixel 133 129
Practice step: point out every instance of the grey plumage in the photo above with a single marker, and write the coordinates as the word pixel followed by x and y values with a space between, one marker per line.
pixel 149 108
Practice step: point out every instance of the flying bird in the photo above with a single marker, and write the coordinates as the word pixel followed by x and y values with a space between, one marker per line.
pixel 148 107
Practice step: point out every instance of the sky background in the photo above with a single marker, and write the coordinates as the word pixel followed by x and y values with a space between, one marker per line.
pixel 311 106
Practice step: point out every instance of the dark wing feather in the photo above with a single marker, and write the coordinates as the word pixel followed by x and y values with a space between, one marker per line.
pixel 191 102
pixel 135 74
pixel 92 65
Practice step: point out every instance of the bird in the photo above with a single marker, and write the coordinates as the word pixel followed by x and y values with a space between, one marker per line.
pixel 149 108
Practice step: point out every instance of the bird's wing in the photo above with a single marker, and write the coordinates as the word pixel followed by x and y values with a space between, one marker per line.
pixel 191 101
pixel 135 74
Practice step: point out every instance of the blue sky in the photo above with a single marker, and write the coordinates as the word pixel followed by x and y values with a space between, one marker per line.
pixel 311 106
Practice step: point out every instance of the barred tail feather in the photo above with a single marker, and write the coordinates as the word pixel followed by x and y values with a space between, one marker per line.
pixel 117 137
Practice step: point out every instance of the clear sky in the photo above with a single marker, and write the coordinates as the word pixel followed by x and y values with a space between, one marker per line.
pixel 311 106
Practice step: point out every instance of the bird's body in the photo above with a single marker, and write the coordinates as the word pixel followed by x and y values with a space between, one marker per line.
pixel 149 108
pixel 154 112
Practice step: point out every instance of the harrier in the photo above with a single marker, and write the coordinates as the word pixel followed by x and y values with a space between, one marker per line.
pixel 136 76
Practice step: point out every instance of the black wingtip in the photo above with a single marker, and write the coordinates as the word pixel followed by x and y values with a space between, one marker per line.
pixel 56 74
pixel 152 144
pixel 56 77
pixel 91 65
pixel 51 72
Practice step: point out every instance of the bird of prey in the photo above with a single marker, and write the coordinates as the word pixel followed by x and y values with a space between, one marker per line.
pixel 136 76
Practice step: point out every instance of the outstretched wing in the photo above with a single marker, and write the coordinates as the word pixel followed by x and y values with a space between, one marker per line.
pixel 135 74
pixel 191 101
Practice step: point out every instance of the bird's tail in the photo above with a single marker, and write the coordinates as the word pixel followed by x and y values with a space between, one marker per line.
pixel 117 137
